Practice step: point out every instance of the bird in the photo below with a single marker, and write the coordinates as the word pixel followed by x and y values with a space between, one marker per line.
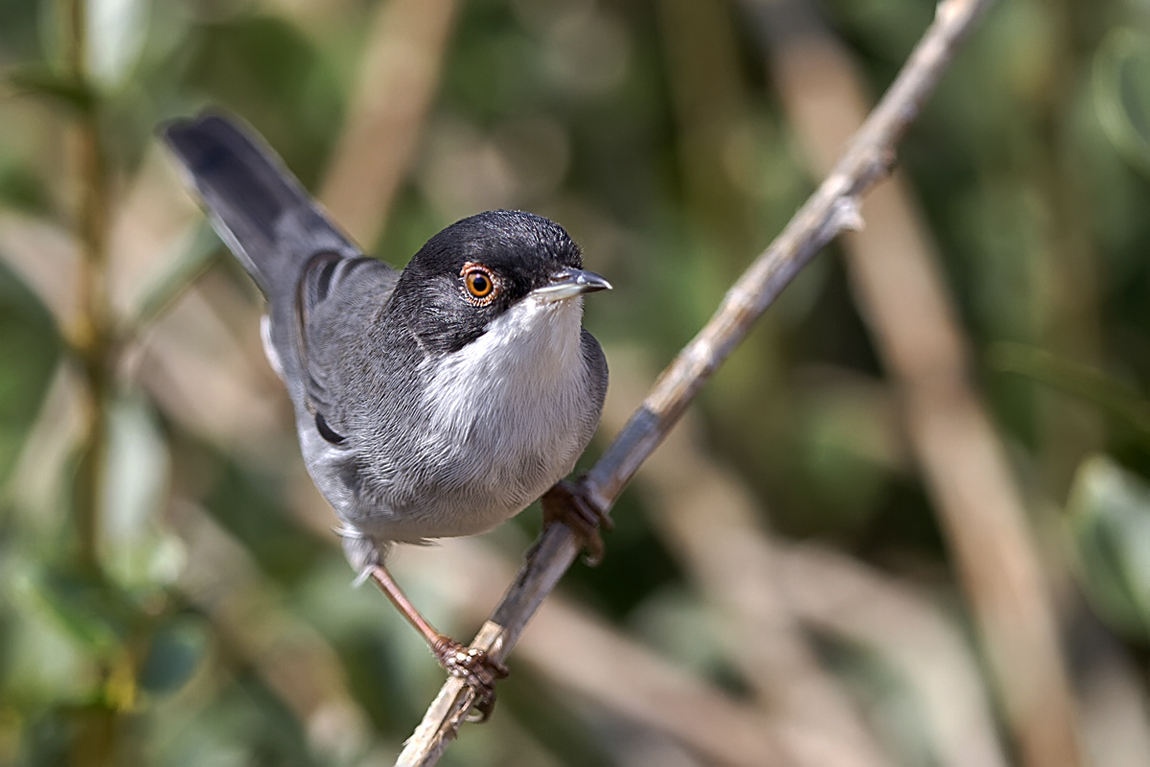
pixel 434 401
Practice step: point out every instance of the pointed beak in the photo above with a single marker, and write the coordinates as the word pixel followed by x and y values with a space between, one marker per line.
pixel 567 283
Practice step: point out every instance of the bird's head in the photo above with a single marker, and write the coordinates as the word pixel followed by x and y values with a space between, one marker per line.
pixel 500 264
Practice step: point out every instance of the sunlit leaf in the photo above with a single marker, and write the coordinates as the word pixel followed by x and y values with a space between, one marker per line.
pixel 42 659
pixel 137 467
pixel 141 553
pixel 116 34
pixel 1122 93
pixel 1110 526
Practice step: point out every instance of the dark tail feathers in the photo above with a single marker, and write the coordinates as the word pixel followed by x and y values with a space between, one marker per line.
pixel 256 205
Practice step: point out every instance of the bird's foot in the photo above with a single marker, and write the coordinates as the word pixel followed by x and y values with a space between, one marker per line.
pixel 569 503
pixel 475 667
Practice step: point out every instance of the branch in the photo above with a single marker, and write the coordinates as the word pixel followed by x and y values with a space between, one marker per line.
pixel 610 672
pixel 902 296
pixel 833 208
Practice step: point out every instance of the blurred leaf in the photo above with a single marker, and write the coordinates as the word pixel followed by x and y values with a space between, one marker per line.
pixel 1122 93
pixel 682 627
pixel 850 446
pixel 18 28
pixel 116 34
pixel 22 189
pixel 195 255
pixel 251 508
pixel 61 87
pixel 41 659
pixel 1109 518
pixel 1075 379
pixel 137 467
pixel 889 27
pixel 272 75
pixel 29 348
pixel 141 554
pixel 91 613
pixel 176 652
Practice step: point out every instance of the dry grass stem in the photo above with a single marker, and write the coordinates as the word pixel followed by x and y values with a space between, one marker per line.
pixel 904 300
pixel 397 80
pixel 826 213
pixel 711 520
pixel 839 595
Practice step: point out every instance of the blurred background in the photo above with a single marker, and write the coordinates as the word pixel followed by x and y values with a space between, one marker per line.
pixel 907 524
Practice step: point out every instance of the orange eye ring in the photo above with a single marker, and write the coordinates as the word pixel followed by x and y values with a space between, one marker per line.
pixel 480 283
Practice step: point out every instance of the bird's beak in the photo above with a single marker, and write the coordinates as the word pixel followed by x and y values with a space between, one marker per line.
pixel 571 282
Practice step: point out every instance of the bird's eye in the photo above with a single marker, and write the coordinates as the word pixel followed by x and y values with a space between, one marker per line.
pixel 480 283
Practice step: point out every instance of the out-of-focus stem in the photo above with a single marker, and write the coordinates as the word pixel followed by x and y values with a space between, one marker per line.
pixel 90 337
pixel 397 81
pixel 710 522
pixel 91 340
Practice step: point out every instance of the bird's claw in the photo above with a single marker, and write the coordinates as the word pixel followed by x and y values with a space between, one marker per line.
pixel 476 668
pixel 569 503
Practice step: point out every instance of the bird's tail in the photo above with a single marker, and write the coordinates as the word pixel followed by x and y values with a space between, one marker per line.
pixel 256 205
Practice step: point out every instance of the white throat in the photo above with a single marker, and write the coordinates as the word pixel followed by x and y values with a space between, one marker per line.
pixel 530 352
pixel 510 407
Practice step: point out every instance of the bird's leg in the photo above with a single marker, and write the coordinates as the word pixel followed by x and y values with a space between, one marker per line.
pixel 475 667
pixel 568 502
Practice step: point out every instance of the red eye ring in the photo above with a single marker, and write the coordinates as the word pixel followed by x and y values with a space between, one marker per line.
pixel 480 284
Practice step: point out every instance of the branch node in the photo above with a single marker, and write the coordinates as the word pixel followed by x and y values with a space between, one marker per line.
pixel 846 215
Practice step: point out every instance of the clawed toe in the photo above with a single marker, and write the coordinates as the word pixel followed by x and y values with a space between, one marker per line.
pixel 569 503
pixel 476 668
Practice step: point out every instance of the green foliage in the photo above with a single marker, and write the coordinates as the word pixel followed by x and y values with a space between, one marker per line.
pixel 1109 521
pixel 29 348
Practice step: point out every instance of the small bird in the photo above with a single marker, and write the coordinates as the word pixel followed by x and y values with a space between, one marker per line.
pixel 431 402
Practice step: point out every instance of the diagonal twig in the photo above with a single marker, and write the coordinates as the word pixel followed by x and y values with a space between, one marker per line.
pixel 832 209
pixel 903 299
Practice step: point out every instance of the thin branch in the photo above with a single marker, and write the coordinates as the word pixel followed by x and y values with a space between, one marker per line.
pixel 902 296
pixel 96 729
pixel 575 650
pixel 833 208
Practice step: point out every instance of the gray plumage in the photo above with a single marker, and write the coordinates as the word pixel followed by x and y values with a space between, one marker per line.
pixel 422 411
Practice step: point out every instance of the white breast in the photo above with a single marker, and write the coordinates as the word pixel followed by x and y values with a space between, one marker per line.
pixel 509 414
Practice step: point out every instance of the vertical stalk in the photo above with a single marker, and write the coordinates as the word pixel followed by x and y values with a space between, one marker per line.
pixel 96 725
pixel 91 336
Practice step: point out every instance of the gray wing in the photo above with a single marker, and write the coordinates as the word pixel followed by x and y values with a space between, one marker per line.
pixel 597 372
pixel 337 303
